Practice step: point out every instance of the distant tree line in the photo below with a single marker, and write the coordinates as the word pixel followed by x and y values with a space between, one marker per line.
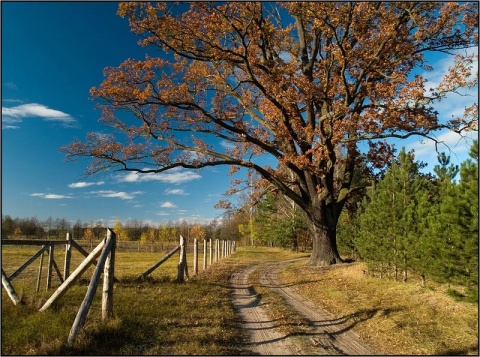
pixel 131 230
pixel 420 223
pixel 404 222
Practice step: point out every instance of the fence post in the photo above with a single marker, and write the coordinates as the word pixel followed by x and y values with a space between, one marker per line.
pixel 74 276
pixel 10 290
pixel 215 254
pixel 40 273
pixel 68 253
pixel 182 261
pixel 157 264
pixel 108 274
pixel 92 287
pixel 204 254
pixel 51 249
pixel 210 249
pixel 195 256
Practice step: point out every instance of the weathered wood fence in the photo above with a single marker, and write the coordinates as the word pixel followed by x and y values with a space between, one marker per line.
pixel 215 254
pixel 105 264
pixel 105 252
pixel 49 247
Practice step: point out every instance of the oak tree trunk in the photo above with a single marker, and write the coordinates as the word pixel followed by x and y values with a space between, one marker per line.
pixel 324 250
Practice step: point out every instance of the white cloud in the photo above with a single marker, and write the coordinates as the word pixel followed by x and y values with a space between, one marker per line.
pixel 14 115
pixel 451 143
pixel 11 85
pixel 85 184
pixel 176 191
pixel 162 213
pixel 227 145
pixel 454 104
pixel 173 176
pixel 115 194
pixel 168 205
pixel 50 196
pixel 12 100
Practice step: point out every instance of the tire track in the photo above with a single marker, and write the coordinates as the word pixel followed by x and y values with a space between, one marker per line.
pixel 264 338
pixel 329 335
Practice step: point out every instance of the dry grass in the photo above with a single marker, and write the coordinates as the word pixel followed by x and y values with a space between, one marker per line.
pixel 393 317
pixel 155 317
pixel 161 317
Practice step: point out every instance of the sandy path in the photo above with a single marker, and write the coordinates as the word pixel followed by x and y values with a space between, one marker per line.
pixel 329 335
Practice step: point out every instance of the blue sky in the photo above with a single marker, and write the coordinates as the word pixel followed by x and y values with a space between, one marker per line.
pixel 52 54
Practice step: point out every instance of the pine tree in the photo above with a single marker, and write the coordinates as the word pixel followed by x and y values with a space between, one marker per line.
pixel 387 217
pixel 424 249
pixel 468 218
pixel 454 224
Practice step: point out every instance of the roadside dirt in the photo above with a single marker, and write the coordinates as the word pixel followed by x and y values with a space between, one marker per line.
pixel 328 335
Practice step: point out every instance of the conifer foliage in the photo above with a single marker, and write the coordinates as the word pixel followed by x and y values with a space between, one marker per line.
pixel 412 222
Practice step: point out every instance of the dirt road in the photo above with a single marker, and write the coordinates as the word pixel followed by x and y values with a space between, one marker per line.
pixel 327 336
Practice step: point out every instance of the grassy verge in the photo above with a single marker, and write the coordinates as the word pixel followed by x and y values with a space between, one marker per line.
pixel 393 317
pixel 159 316
pixel 155 317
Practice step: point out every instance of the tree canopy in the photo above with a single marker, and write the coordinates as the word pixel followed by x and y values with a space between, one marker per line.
pixel 302 83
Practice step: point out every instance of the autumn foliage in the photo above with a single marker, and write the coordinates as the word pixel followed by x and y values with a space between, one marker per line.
pixel 302 83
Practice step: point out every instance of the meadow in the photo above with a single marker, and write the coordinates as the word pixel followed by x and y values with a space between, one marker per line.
pixel 161 317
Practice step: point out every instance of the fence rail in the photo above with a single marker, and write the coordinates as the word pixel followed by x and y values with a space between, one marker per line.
pixel 105 253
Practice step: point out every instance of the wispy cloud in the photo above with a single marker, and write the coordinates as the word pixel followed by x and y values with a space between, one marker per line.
pixel 450 142
pixel 176 191
pixel 15 115
pixel 10 85
pixel 453 105
pixel 50 196
pixel 115 194
pixel 85 184
pixel 173 176
pixel 7 100
pixel 168 205
pixel 227 145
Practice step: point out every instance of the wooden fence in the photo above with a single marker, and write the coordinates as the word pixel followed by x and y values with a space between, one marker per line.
pixel 106 263
pixel 105 252
pixel 215 254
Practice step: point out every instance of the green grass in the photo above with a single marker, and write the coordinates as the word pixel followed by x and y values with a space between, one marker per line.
pixel 154 317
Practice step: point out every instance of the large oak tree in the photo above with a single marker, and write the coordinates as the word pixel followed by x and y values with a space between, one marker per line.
pixel 302 83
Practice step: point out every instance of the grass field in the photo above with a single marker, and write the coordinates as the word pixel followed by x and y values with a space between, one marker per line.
pixel 159 316
pixel 395 318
